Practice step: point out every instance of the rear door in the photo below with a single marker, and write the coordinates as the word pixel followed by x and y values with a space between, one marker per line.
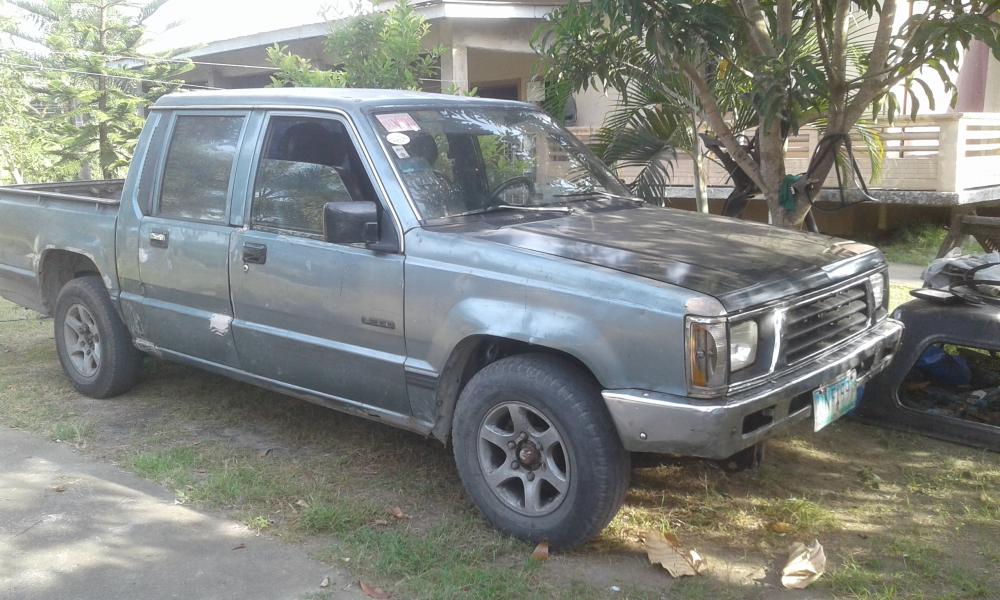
pixel 320 316
pixel 184 241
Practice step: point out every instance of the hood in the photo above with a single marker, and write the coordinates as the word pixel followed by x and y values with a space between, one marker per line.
pixel 741 263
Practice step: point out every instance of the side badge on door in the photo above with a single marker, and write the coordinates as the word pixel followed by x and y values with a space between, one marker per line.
pixel 384 323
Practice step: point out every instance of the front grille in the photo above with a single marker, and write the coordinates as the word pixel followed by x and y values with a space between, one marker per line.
pixel 814 325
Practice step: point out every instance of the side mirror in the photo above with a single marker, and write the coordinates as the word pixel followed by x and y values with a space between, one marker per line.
pixel 350 222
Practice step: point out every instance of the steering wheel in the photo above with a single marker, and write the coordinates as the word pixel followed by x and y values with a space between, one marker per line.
pixel 504 185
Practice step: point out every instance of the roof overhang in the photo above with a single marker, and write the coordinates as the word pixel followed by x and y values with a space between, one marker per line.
pixel 432 10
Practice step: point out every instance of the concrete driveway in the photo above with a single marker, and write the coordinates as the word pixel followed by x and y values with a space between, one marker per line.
pixel 74 528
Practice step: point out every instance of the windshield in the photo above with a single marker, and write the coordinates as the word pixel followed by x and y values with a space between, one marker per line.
pixel 460 161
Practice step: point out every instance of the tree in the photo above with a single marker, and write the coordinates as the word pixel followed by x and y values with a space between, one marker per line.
pixel 92 74
pixel 757 71
pixel 16 157
pixel 374 49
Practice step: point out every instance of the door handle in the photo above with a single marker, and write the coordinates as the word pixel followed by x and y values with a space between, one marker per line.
pixel 255 254
pixel 160 239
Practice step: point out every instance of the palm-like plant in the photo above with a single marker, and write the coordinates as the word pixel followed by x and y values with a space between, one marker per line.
pixel 658 116
pixel 759 71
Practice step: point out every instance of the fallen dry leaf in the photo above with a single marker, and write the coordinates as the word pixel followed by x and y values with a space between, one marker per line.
pixel 373 592
pixel 264 453
pixel 397 512
pixel 541 552
pixel 239 546
pixel 666 550
pixel 301 504
pixel 805 565
pixel 325 583
pixel 59 488
pixel 380 522
pixel 781 527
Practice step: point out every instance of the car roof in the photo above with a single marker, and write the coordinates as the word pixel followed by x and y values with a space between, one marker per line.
pixel 343 98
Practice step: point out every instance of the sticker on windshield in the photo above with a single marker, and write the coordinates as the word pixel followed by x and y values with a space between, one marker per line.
pixel 398 139
pixel 394 122
pixel 401 152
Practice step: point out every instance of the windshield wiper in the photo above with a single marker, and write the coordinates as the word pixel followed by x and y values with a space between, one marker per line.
pixel 495 207
pixel 592 192
pixel 542 208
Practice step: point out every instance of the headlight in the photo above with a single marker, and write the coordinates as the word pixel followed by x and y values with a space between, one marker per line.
pixel 742 344
pixel 707 360
pixel 878 288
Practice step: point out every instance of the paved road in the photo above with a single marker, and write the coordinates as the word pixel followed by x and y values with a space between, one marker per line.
pixel 77 529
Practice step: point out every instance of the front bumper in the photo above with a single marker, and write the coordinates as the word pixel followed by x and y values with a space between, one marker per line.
pixel 665 423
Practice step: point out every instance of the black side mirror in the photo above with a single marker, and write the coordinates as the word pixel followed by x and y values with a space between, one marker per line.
pixel 350 222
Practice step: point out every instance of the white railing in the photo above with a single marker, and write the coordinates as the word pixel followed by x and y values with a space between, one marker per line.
pixel 938 153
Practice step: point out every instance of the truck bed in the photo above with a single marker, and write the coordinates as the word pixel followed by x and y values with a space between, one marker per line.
pixel 39 221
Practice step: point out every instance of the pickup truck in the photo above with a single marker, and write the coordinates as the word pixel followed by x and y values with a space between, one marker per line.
pixel 461 268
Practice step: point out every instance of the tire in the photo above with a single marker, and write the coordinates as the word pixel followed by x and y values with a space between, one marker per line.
pixel 746 459
pixel 94 346
pixel 546 395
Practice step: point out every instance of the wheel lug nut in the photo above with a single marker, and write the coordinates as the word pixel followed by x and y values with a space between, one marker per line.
pixel 515 465
pixel 531 476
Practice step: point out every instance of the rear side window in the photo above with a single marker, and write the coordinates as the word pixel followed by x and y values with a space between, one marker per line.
pixel 199 166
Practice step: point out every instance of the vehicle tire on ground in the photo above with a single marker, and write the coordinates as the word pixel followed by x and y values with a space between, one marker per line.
pixel 537 450
pixel 94 346
pixel 746 459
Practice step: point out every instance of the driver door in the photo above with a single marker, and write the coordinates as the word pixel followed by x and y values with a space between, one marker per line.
pixel 327 318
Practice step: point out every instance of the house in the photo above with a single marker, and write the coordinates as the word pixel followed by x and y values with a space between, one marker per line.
pixel 946 160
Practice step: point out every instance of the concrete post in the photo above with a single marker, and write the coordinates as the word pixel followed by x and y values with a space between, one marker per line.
pixel 455 68
pixel 951 151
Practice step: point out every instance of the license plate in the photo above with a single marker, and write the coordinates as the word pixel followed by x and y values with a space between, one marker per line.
pixel 835 400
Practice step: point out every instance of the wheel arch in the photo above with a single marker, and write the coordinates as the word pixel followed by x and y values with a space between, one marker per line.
pixel 470 356
pixel 57 268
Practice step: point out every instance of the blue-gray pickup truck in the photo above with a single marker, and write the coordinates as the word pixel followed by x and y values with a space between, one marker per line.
pixel 461 268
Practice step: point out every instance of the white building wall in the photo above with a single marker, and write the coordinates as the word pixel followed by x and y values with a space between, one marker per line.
pixel 592 105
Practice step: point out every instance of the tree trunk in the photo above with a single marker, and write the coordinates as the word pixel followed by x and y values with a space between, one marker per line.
pixel 698 161
pixel 772 168
pixel 808 188
pixel 105 152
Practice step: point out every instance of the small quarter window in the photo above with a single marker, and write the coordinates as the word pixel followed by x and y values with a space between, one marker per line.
pixel 199 166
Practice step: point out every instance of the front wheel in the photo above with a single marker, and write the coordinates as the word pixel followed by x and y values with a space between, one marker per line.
pixel 94 346
pixel 537 450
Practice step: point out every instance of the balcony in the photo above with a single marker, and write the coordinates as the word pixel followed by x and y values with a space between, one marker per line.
pixel 947 160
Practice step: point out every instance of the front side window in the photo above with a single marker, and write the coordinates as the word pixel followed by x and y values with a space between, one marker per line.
pixel 305 163
pixel 460 161
pixel 199 167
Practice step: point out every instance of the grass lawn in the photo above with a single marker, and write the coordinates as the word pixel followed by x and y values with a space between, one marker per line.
pixel 900 516
pixel 918 244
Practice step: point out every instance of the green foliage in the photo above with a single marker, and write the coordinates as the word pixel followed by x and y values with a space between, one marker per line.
pixel 501 162
pixel 750 74
pixel 296 71
pixel 373 50
pixel 24 141
pixel 89 81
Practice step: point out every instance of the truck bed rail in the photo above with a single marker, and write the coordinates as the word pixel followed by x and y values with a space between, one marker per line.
pixel 107 191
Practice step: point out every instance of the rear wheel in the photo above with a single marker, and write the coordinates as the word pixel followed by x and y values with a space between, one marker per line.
pixel 94 346
pixel 537 450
